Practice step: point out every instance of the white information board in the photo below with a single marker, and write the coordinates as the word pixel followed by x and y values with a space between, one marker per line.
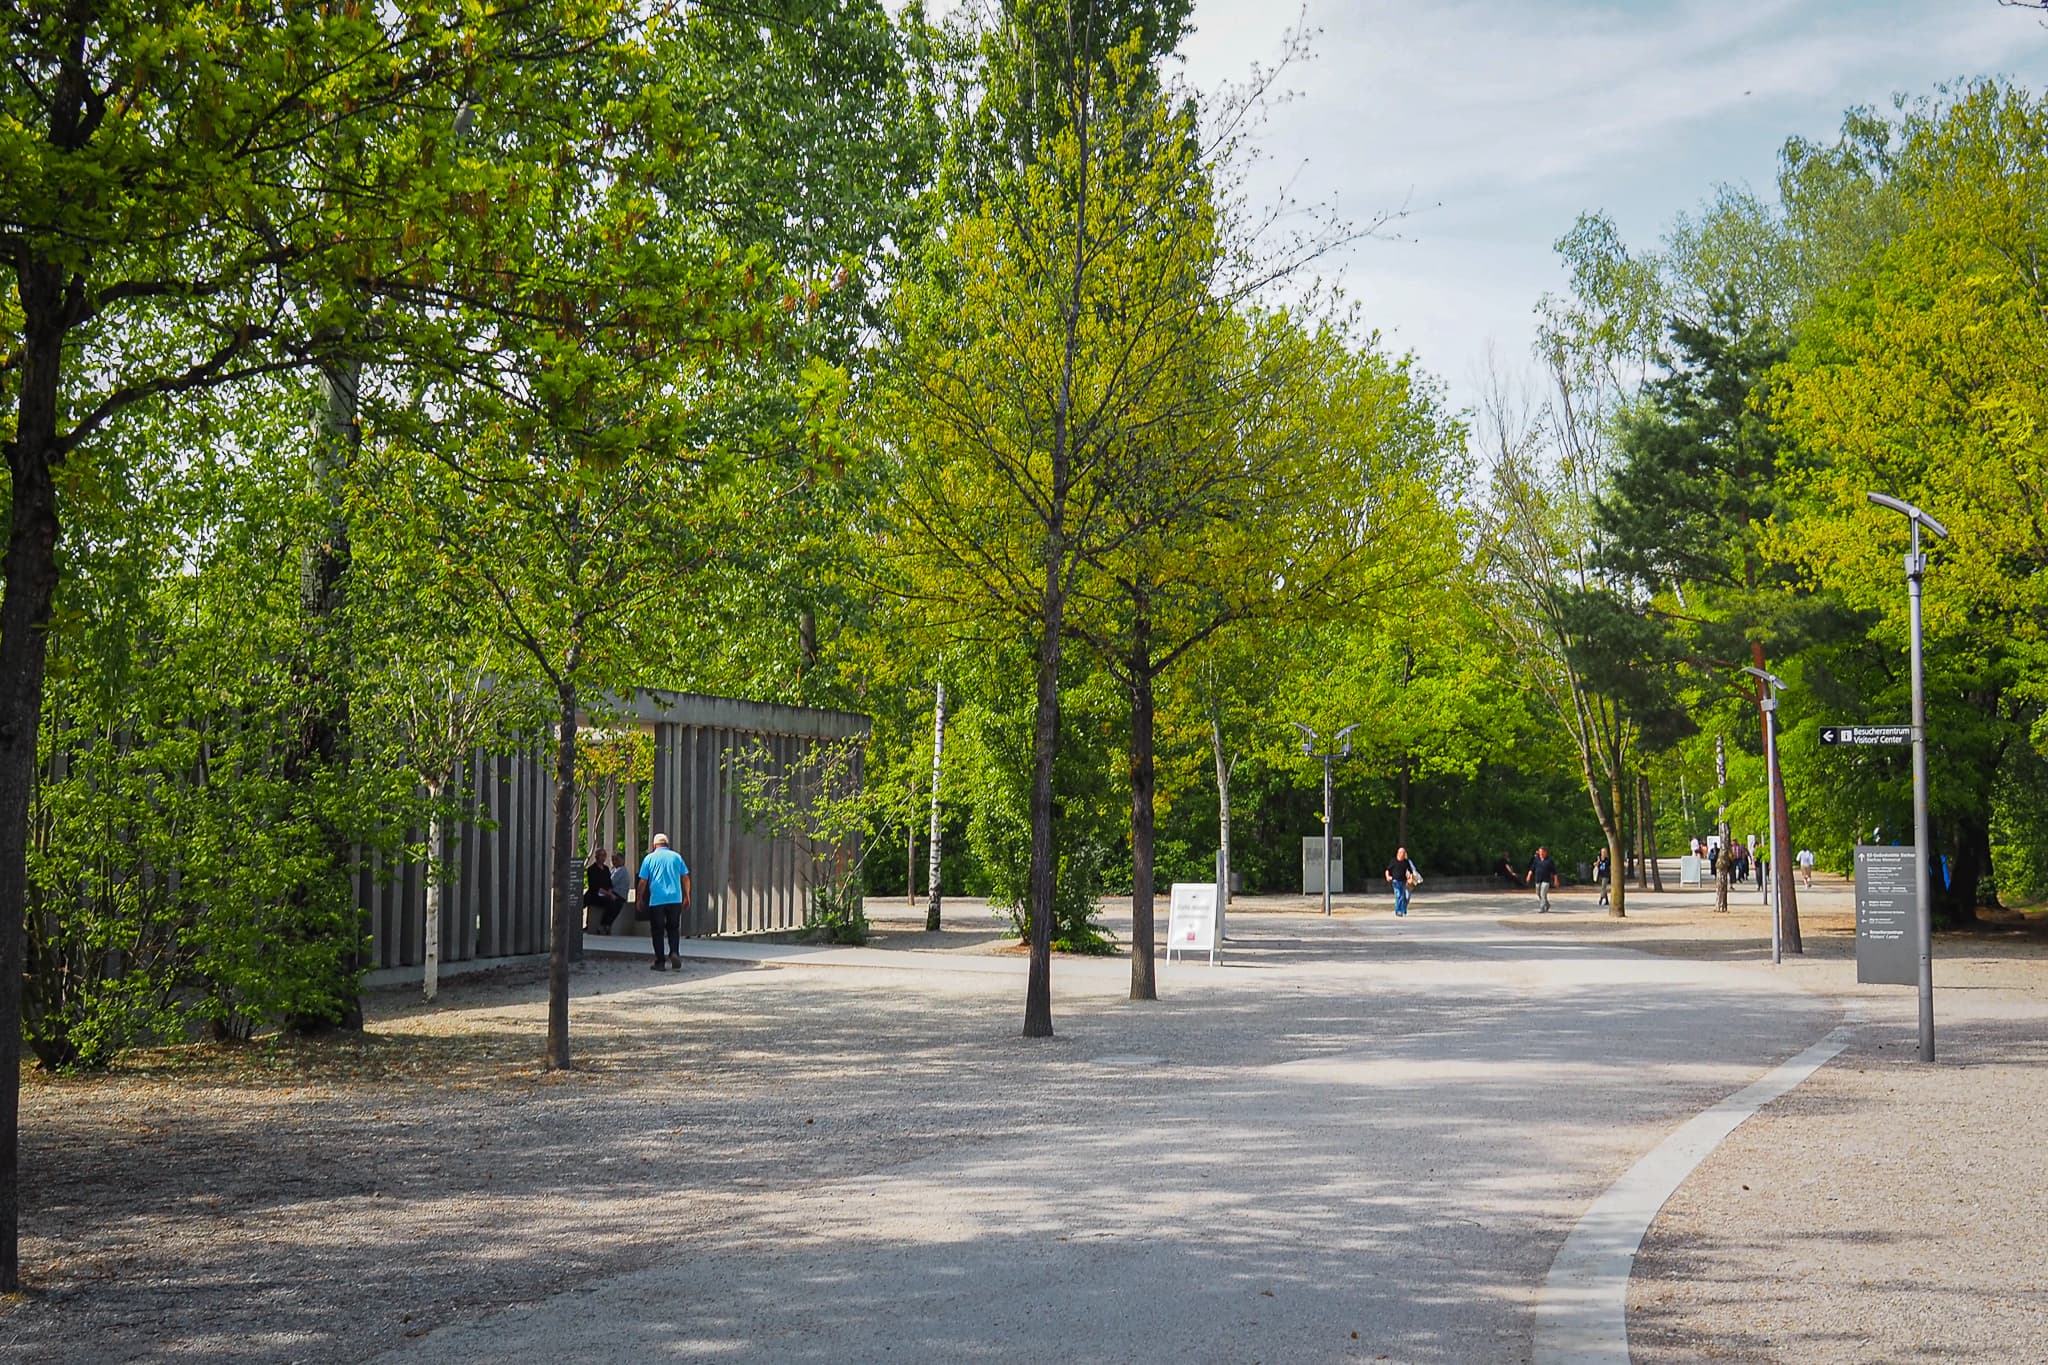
pixel 1689 870
pixel 1191 923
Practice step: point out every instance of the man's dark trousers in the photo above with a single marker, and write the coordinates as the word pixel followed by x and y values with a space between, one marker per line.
pixel 670 915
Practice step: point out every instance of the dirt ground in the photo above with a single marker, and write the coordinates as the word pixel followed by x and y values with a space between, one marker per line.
pixel 198 1202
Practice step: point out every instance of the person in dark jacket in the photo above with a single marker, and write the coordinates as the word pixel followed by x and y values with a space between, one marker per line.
pixel 1543 873
pixel 597 892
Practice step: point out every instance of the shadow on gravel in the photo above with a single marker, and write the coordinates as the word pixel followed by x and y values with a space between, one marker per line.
pixel 852 1159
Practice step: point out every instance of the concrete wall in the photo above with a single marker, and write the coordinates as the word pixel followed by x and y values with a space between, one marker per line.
pixel 747 876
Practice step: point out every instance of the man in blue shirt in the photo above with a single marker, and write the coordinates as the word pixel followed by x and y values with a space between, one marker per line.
pixel 664 890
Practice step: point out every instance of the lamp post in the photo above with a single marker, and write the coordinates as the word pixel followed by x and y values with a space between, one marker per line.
pixel 1340 747
pixel 1780 874
pixel 1916 569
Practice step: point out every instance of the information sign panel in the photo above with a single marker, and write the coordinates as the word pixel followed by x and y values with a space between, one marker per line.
pixel 1312 865
pixel 1689 869
pixel 1887 940
pixel 1191 920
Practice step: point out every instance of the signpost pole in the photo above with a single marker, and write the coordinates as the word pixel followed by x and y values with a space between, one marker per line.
pixel 1774 896
pixel 1340 747
pixel 1777 897
pixel 1327 813
pixel 1923 843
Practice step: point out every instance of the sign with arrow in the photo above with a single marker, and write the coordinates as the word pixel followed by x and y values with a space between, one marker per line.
pixel 1866 734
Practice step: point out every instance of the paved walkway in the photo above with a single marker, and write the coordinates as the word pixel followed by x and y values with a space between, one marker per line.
pixel 1357 1138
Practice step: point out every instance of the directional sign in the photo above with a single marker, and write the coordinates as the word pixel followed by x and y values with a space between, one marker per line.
pixel 1866 734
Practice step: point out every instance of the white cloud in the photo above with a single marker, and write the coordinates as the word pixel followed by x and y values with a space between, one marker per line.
pixel 1500 123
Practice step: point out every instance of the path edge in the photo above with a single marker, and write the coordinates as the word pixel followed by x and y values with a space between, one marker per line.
pixel 1582 1309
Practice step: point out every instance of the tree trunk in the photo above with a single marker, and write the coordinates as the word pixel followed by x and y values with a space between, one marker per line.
pixel 910 851
pixel 31 585
pixel 1401 780
pixel 1045 737
pixel 1642 845
pixel 1617 850
pixel 1045 733
pixel 1721 825
pixel 567 915
pixel 430 957
pixel 932 880
pixel 1649 805
pixel 322 744
pixel 1222 818
pixel 1144 978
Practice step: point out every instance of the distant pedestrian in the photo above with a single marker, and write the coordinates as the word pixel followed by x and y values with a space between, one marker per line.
pixel 1506 871
pixel 1401 874
pixel 1740 872
pixel 1601 867
pixel 598 895
pixel 1804 859
pixel 622 876
pixel 1543 874
pixel 665 890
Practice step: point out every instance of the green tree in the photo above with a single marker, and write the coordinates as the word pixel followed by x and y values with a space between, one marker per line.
pixel 1049 325
pixel 1687 511
pixel 1296 479
pixel 159 209
pixel 1920 376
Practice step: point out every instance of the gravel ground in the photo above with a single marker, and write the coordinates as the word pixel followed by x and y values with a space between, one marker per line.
pixel 1354 1126
pixel 1885 1210
pixel 1452 1093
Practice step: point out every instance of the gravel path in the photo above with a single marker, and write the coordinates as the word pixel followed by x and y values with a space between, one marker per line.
pixel 1885 1210
pixel 1356 1125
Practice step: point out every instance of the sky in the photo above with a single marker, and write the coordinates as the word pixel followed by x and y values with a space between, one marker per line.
pixel 1497 124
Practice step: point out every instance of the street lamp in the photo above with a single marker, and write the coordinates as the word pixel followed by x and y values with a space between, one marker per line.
pixel 1916 568
pixel 1340 747
pixel 1780 874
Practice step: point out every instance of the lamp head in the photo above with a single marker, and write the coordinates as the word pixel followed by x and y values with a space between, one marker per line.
pixel 1765 675
pixel 1908 511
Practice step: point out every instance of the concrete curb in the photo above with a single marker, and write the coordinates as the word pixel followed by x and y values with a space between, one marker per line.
pixel 1582 1309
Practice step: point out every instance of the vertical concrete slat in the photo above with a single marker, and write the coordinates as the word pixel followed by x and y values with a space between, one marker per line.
pixel 636 845
pixel 779 849
pixel 542 864
pixel 504 906
pixel 686 833
pixel 708 825
pixel 729 910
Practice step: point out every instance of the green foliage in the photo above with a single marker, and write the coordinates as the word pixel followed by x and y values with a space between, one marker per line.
pixel 838 914
pixel 178 867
